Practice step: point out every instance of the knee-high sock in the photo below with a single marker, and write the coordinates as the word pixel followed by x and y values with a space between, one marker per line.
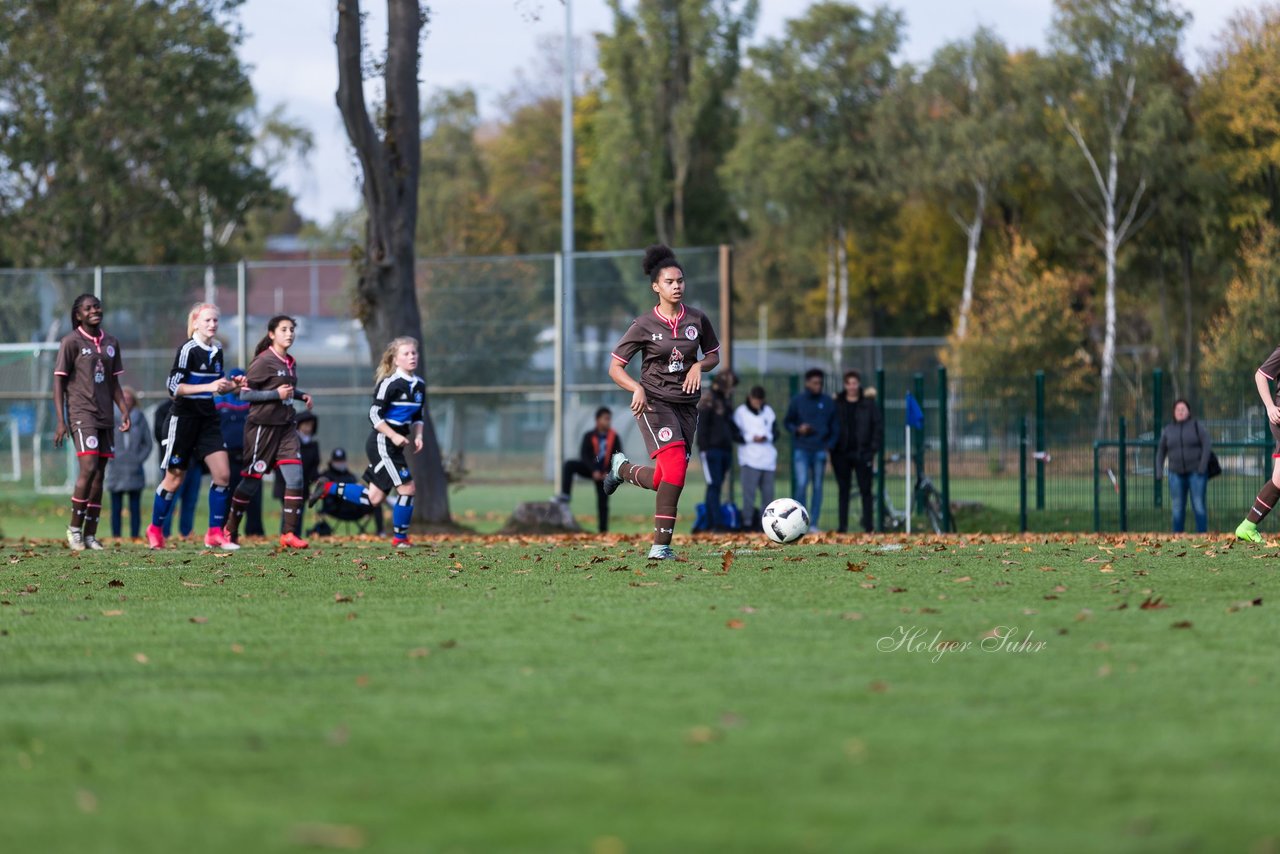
pixel 354 493
pixel 218 497
pixel 644 477
pixel 401 515
pixel 245 490
pixel 162 506
pixel 291 518
pixel 78 506
pixel 91 513
pixel 1262 505
pixel 664 515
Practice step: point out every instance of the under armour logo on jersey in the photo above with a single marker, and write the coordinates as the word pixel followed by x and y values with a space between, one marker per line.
pixel 657 336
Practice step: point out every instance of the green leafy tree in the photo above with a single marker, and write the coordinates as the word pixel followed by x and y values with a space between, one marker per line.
pixel 1117 109
pixel 665 121
pixel 125 128
pixel 1242 334
pixel 1027 316
pixel 805 167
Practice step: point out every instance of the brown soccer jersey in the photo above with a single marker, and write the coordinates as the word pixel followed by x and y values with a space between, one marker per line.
pixel 1271 369
pixel 269 371
pixel 89 367
pixel 670 348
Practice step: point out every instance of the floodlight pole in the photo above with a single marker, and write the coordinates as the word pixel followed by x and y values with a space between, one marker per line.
pixel 566 319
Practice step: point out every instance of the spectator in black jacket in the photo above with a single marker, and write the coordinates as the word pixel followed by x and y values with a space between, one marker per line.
pixel 598 447
pixel 717 434
pixel 859 436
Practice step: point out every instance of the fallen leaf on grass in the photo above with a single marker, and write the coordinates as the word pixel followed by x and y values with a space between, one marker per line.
pixel 701 735
pixel 1181 624
pixel 851 615
pixel 346 837
pixel 879 687
pixel 237 648
pixel 191 584
pixel 1247 603
pixel 1150 604
pixel 736 624
pixel 855 567
pixel 726 561
pixel 419 652
pixel 113 613
pixel 341 597
pixel 141 657
pixel 963 579
pixel 200 620
pixel 115 582
pixel 86 801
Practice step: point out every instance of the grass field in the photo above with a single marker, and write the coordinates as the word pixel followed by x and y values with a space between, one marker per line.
pixel 496 694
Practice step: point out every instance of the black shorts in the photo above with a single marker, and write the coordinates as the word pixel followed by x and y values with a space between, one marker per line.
pixel 90 439
pixel 388 467
pixel 188 439
pixel 269 445
pixel 662 424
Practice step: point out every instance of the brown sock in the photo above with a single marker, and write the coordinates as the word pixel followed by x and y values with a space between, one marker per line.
pixel 1262 505
pixel 292 521
pixel 91 512
pixel 78 507
pixel 641 476
pixel 239 502
pixel 664 515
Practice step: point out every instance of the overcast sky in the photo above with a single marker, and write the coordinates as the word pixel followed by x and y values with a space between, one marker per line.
pixel 485 43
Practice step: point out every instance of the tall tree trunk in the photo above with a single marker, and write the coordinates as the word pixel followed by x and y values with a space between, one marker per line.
pixel 1109 329
pixel 829 314
pixel 386 292
pixel 973 236
pixel 842 298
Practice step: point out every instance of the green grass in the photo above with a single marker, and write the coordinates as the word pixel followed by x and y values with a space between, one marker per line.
pixel 506 695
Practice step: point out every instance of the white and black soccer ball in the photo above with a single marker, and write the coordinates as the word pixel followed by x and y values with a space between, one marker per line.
pixel 785 520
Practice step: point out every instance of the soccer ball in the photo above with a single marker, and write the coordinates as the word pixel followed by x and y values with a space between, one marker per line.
pixel 785 520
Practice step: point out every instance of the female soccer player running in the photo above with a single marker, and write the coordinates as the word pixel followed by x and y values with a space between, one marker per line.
pixel 86 381
pixel 270 432
pixel 665 401
pixel 193 431
pixel 398 399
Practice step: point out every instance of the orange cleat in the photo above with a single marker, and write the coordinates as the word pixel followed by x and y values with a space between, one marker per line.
pixel 292 541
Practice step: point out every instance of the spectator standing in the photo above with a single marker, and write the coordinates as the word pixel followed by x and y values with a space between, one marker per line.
pixel 757 426
pixel 811 422
pixel 717 435
pixel 859 436
pixel 1185 443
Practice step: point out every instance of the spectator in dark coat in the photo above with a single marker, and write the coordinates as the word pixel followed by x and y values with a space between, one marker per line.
pixel 598 447
pixel 125 477
pixel 859 437
pixel 717 434
pixel 1186 445
pixel 232 412
pixel 810 420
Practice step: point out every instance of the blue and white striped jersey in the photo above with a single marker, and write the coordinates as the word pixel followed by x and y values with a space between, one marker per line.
pixel 399 401
pixel 195 364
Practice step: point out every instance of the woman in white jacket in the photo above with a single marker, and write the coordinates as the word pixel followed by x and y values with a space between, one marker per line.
pixel 758 453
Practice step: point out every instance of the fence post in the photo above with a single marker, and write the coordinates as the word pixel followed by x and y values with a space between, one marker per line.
pixel 944 439
pixel 557 408
pixel 1040 449
pixel 918 440
pixel 1157 427
pixel 242 337
pixel 880 398
pixel 97 283
pixel 793 388
pixel 1022 475
pixel 1124 481
pixel 1097 494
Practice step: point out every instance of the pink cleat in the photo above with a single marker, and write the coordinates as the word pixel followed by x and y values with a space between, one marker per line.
pixel 155 537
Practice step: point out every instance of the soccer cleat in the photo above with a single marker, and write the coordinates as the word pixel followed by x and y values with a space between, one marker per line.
pixel 91 542
pixel 318 492
pixel 401 543
pixel 155 537
pixel 216 538
pixel 662 553
pixel 613 480
pixel 230 542
pixel 292 541
pixel 75 539
pixel 1248 531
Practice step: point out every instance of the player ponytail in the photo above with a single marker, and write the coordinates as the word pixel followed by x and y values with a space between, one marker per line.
pixel 657 258
pixel 195 313
pixel 271 327
pixel 75 308
pixel 387 364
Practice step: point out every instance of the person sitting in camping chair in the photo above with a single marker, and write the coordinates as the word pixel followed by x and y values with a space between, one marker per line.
pixel 335 509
